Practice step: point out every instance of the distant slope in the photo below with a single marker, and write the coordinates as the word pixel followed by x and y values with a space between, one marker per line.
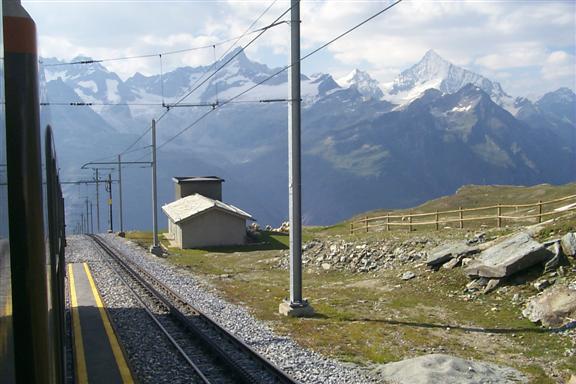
pixel 472 196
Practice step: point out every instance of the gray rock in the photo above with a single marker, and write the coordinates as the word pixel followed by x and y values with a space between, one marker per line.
pixel 408 275
pixel 558 259
pixel 542 284
pixel 554 308
pixel 510 256
pixel 446 252
pixel 477 284
pixel 492 285
pixel 446 369
pixel 452 263
pixel 569 244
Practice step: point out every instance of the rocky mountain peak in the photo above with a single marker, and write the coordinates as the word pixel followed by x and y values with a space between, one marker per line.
pixel 433 71
pixel 368 87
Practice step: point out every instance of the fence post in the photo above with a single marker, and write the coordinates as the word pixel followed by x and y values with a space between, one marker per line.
pixel 437 219
pixel 410 221
pixel 387 221
pixel 539 211
pixel 366 223
pixel 498 214
pixel 352 228
pixel 461 217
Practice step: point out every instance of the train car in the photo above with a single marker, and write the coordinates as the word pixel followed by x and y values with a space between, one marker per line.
pixel 32 231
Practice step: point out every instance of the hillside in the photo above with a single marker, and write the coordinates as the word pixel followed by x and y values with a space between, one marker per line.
pixel 473 196
pixel 441 127
pixel 377 301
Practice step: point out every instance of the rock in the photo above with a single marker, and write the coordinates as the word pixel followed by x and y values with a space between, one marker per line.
pixel 446 369
pixel 558 259
pixel 326 266
pixel 408 275
pixel 572 380
pixel 477 284
pixel 446 252
pixel 452 263
pixel 554 308
pixel 568 242
pixel 492 285
pixel 542 285
pixel 510 256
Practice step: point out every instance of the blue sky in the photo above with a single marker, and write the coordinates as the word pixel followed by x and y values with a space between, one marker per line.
pixel 528 46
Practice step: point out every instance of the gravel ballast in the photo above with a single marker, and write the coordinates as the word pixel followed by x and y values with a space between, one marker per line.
pixel 151 358
pixel 302 364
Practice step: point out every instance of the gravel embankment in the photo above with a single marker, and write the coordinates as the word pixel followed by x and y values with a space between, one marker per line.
pixel 302 364
pixel 150 356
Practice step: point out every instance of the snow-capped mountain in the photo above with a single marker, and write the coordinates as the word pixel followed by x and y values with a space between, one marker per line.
pixel 359 150
pixel 432 71
pixel 366 85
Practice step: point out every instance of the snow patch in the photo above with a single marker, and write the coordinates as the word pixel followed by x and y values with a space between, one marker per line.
pixel 89 84
pixel 112 90
pixel 460 108
pixel 54 75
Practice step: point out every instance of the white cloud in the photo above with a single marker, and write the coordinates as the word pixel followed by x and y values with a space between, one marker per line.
pixel 559 65
pixel 486 36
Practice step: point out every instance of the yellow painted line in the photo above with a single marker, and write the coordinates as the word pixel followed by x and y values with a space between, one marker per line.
pixel 118 355
pixel 81 372
pixel 7 330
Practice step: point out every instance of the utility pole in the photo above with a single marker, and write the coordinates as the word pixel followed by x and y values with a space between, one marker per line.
pixel 97 201
pixel 155 247
pixel 109 190
pixel 87 217
pixel 91 219
pixel 120 194
pixel 82 223
pixel 97 166
pixel 296 307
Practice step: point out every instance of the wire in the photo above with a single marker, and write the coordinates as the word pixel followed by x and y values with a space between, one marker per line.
pixel 194 88
pixel 144 56
pixel 92 104
pixel 283 69
pixel 264 29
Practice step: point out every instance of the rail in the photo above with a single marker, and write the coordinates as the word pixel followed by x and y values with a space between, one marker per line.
pixel 437 219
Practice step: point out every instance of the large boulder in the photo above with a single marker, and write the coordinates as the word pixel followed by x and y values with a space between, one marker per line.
pixel 447 252
pixel 568 242
pixel 554 308
pixel 509 256
pixel 446 369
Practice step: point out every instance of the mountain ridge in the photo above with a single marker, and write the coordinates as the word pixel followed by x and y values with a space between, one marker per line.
pixel 359 149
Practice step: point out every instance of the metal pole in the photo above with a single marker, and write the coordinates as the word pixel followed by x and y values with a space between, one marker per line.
pixel 97 201
pixel 297 306
pixel 82 223
pixel 91 219
pixel 120 191
pixel 87 218
pixel 155 248
pixel 110 218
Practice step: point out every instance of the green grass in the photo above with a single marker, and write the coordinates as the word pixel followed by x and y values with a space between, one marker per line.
pixel 376 318
pixel 367 318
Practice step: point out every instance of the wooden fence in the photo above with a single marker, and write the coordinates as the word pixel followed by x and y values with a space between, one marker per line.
pixel 494 215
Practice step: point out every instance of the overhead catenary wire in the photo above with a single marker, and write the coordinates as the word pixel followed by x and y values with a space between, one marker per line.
pixel 149 55
pixel 193 87
pixel 348 31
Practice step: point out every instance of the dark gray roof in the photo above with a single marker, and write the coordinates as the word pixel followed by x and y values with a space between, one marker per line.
pixel 184 179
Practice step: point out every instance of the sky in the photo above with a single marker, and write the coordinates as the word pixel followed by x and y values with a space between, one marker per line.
pixel 529 46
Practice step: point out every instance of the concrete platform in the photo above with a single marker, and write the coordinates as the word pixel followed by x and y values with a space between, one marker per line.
pixel 98 357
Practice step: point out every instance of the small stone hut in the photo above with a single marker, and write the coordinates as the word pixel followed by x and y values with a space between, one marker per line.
pixel 198 218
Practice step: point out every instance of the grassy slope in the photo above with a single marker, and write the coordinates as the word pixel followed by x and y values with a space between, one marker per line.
pixel 368 318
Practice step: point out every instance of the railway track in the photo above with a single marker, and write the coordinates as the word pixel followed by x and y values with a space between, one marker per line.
pixel 214 354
